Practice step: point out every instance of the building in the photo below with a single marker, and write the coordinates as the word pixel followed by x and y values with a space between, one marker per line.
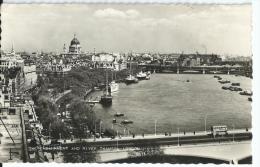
pixel 74 51
pixel 11 60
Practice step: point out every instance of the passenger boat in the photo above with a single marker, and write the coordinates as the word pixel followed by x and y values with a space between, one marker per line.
pixel 141 75
pixel 126 122
pixel 131 79
pixel 246 93
pixel 113 86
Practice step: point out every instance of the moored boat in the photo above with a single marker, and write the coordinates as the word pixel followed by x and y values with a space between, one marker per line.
pixel 246 93
pixel 118 114
pixel 225 87
pixel 224 81
pixel 141 75
pixel 235 84
pixel 131 79
pixel 233 88
pixel 127 121
pixel 250 99
pixel 113 86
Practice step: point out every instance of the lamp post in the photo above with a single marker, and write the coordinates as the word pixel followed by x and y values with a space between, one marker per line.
pixel 100 129
pixel 205 123
pixel 155 122
pixel 117 140
pixel 233 132
pixel 178 136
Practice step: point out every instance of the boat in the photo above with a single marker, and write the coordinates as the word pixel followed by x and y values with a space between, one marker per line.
pixel 246 93
pixel 141 75
pixel 118 114
pixel 233 88
pixel 126 122
pixel 130 78
pixel 224 81
pixel 113 86
pixel 235 84
pixel 249 99
pixel 106 98
pixel 225 87
pixel 216 76
pixel 114 120
pixel 148 76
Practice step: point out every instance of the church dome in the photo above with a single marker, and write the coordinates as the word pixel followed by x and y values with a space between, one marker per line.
pixel 74 41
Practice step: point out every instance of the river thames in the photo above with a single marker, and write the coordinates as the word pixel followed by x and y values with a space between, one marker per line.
pixel 172 103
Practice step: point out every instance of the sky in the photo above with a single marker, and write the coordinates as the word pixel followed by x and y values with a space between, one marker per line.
pixel 174 28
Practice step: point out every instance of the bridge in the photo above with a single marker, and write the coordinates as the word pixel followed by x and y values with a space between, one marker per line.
pixel 214 69
pixel 230 152
pixel 229 148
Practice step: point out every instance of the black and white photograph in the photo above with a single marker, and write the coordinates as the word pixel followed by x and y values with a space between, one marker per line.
pixel 126 83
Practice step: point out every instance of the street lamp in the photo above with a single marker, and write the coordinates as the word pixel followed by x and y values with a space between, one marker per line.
pixel 205 123
pixel 178 136
pixel 233 132
pixel 155 122
pixel 117 139
pixel 100 128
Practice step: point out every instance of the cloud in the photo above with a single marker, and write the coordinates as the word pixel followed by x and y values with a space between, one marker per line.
pixel 113 13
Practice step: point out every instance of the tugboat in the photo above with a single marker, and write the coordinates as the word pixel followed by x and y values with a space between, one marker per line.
pixel 106 99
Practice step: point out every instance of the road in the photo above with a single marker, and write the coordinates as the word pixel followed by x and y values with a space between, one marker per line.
pixel 150 142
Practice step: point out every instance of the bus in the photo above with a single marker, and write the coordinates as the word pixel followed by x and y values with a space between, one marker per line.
pixel 219 130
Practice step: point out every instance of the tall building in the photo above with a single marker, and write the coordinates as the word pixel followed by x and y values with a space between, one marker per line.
pixel 75 46
pixel 74 49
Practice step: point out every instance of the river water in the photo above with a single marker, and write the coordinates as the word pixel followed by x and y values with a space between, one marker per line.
pixel 174 103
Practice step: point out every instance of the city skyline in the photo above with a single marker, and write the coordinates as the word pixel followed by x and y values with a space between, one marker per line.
pixel 126 28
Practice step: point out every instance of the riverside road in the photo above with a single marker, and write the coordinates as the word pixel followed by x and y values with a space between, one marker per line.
pixel 150 142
